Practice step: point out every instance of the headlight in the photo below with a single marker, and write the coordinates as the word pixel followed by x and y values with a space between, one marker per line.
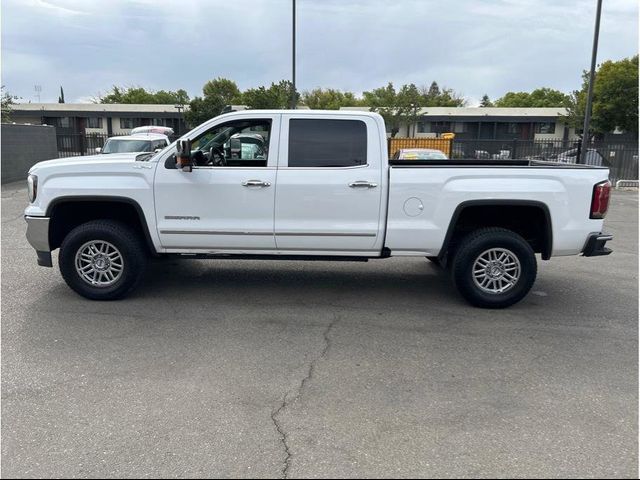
pixel 32 187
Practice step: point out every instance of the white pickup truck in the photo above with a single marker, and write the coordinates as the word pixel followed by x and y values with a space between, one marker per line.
pixel 311 185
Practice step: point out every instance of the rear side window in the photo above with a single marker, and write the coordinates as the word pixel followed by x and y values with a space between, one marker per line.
pixel 327 143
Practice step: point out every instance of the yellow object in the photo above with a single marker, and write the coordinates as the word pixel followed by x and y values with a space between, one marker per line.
pixel 442 144
pixel 448 136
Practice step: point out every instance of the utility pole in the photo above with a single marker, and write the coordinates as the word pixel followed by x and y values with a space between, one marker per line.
pixel 592 77
pixel 293 93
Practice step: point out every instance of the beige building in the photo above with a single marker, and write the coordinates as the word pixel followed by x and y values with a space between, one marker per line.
pixel 107 119
pixel 490 123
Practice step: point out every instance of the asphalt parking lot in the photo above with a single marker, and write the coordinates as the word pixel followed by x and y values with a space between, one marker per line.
pixel 266 369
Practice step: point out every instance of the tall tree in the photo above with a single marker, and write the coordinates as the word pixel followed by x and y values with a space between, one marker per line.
pixel 217 94
pixel 143 96
pixel 486 101
pixel 61 97
pixel 385 101
pixel 278 95
pixel 615 98
pixel 434 96
pixel 540 97
pixel 328 99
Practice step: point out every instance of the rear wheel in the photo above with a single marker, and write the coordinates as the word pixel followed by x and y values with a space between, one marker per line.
pixel 102 260
pixel 494 268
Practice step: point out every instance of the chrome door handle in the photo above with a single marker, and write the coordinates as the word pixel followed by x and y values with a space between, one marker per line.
pixel 363 184
pixel 255 183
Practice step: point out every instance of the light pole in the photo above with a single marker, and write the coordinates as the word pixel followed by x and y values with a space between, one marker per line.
pixel 179 107
pixel 592 77
pixel 293 57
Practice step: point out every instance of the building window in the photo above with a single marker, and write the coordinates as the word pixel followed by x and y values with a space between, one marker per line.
pixel 63 122
pixel 421 128
pixel 126 123
pixel 545 127
pixel 327 143
pixel 94 122
pixel 512 128
pixel 162 122
pixel 440 127
pixel 460 127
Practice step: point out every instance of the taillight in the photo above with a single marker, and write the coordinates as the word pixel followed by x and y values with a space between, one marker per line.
pixel 600 199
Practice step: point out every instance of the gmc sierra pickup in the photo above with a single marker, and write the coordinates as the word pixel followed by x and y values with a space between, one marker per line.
pixel 311 185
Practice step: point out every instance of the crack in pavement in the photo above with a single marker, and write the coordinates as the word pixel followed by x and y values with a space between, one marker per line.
pixel 298 393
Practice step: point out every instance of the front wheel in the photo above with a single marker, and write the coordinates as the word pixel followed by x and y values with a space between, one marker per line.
pixel 494 268
pixel 102 260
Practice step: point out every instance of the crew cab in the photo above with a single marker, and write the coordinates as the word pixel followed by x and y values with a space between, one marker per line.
pixel 315 185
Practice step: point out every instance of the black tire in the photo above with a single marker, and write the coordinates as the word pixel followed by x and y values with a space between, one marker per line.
pixel 123 238
pixel 476 244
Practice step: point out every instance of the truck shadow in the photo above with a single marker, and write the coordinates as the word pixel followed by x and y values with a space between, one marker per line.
pixel 406 280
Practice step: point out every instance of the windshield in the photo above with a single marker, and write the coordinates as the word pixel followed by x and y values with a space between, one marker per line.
pixel 116 145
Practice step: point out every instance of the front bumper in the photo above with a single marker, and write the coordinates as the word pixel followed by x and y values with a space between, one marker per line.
pixel 595 245
pixel 38 237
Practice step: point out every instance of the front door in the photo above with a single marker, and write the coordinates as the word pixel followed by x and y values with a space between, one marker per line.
pixel 329 184
pixel 226 203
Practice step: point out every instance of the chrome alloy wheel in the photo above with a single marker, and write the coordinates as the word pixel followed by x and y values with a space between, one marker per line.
pixel 99 263
pixel 496 270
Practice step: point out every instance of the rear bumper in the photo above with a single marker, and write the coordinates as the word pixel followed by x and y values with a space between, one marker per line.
pixel 595 245
pixel 38 238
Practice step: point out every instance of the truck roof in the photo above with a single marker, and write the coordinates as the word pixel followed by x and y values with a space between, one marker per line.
pixel 301 112
pixel 141 136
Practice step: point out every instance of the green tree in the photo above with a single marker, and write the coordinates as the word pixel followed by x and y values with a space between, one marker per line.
pixel 615 94
pixel 143 96
pixel 388 103
pixel 328 99
pixel 7 100
pixel 434 96
pixel 225 89
pixel 217 94
pixel 486 101
pixel 540 97
pixel 615 98
pixel 278 95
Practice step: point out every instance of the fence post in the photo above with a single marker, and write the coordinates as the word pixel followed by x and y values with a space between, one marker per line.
pixel 515 149
pixel 579 153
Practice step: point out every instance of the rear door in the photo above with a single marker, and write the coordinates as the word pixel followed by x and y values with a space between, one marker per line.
pixel 329 185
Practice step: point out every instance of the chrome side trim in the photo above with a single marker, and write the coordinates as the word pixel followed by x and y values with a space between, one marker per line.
pixel 38 233
pixel 325 234
pixel 282 234
pixel 210 232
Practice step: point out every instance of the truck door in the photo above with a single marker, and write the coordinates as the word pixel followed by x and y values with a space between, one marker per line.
pixel 330 184
pixel 227 202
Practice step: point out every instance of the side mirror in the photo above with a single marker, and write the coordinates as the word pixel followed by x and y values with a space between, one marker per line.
pixel 157 150
pixel 183 155
pixel 98 150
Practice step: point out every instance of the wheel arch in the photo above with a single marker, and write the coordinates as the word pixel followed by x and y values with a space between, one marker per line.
pixel 67 212
pixel 542 245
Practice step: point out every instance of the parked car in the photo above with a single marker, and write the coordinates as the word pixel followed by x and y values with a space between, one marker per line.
pixel 591 157
pixel 324 189
pixel 420 154
pixel 141 140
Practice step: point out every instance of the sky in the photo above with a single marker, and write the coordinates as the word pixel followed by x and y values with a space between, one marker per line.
pixel 472 46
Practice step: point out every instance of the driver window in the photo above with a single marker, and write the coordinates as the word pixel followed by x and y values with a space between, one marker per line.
pixel 240 143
